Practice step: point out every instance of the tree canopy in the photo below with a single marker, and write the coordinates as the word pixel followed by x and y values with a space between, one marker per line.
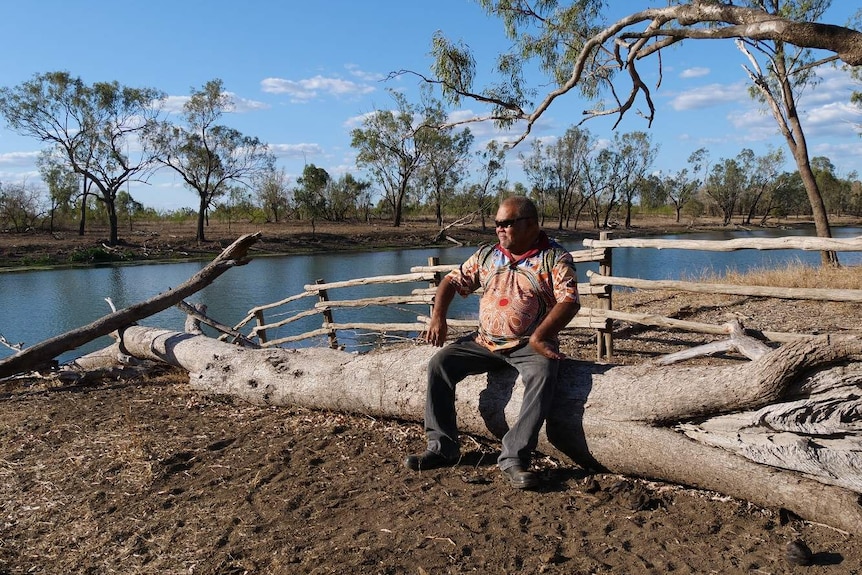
pixel 92 126
pixel 209 157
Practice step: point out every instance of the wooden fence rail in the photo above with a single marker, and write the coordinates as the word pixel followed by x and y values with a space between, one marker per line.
pixel 597 314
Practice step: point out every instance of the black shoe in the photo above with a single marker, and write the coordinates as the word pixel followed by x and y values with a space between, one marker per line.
pixel 520 479
pixel 427 460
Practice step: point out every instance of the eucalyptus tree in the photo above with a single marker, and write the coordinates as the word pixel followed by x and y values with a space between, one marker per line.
pixel 539 175
pixel 490 177
pixel 607 183
pixel 636 154
pixel 789 196
pixel 273 193
pixel 762 183
pixel 598 179
pixel 93 127
pixel 309 193
pixel 679 189
pixel 63 184
pixel 572 45
pixel 652 191
pixel 209 157
pixel 343 196
pixel 560 163
pixel 727 182
pixel 836 191
pixel 392 146
pixel 447 158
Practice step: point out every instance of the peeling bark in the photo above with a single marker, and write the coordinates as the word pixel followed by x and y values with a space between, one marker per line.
pixel 636 420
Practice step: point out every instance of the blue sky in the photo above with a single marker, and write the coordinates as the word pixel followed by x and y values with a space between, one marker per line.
pixel 303 74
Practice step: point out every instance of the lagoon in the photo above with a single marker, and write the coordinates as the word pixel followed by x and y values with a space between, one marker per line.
pixel 36 305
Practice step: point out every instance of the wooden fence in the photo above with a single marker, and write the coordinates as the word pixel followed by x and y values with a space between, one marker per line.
pixel 596 314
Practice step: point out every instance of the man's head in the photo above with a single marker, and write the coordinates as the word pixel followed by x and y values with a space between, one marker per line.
pixel 517 224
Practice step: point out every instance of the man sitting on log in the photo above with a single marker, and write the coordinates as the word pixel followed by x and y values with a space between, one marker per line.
pixel 530 294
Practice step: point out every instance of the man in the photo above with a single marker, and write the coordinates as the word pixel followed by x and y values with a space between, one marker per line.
pixel 530 294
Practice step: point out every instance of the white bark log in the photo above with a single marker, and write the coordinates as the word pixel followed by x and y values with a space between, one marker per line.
pixel 620 418
pixel 44 352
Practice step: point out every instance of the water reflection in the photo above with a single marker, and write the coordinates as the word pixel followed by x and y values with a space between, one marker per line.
pixel 41 304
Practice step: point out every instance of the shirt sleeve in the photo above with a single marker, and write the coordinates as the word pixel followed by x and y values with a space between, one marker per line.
pixel 466 279
pixel 565 279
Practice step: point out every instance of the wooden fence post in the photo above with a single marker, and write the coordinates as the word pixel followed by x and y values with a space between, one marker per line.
pixel 605 337
pixel 434 261
pixel 261 335
pixel 322 295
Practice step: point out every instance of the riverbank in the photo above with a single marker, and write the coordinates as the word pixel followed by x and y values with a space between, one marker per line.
pixel 138 473
pixel 132 474
pixel 159 241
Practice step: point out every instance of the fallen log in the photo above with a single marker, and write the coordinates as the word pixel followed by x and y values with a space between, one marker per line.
pixel 645 420
pixel 43 353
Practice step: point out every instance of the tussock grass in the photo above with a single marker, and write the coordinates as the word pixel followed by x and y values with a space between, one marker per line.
pixel 793 275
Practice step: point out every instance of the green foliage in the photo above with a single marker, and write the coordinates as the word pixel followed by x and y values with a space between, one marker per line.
pixel 88 126
pixel 210 158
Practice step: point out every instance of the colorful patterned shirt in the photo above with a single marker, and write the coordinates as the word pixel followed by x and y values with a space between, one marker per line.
pixel 517 295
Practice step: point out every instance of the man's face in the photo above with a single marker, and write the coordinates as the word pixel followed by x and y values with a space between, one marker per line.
pixel 515 232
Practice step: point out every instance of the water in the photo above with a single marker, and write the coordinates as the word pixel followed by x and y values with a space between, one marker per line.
pixel 37 305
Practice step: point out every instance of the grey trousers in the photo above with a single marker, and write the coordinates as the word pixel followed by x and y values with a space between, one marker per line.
pixel 456 361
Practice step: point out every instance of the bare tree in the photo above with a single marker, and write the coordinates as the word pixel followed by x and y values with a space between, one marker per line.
pixel 391 146
pixel 91 125
pixel 763 180
pixel 273 193
pixel 210 158
pixel 446 161
pixel 490 178
pixel 579 53
pixel 21 207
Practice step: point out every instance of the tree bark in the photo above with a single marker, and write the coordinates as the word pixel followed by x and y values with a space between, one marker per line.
pixel 44 352
pixel 635 420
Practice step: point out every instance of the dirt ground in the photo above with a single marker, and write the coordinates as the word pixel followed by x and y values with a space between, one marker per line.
pixel 142 475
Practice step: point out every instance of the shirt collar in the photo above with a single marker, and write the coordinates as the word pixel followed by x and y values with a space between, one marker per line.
pixel 542 243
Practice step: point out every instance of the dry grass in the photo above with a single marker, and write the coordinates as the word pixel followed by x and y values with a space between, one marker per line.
pixel 792 275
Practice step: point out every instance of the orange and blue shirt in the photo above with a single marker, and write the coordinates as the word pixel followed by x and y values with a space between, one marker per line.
pixel 516 294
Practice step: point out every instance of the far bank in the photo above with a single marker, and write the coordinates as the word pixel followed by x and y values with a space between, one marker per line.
pixel 152 242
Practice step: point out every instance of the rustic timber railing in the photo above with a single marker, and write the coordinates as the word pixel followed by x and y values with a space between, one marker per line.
pixel 596 314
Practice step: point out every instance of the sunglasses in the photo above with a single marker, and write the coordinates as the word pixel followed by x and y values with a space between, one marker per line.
pixel 508 223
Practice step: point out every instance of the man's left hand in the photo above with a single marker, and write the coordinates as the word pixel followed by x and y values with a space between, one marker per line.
pixel 546 348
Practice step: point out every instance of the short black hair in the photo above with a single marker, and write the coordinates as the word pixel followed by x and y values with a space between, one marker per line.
pixel 525 206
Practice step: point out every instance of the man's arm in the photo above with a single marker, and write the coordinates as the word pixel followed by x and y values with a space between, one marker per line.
pixel 558 318
pixel 438 329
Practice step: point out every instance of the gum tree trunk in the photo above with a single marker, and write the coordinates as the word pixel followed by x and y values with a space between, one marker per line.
pixel 781 431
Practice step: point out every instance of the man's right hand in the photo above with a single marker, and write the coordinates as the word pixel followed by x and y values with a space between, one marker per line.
pixel 438 329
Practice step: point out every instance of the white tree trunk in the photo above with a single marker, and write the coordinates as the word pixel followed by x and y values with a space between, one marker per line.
pixel 668 423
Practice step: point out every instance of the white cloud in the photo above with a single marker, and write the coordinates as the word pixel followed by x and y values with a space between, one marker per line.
pixel 174 104
pixel 22 159
pixel 356 72
pixel 752 125
pixel 837 119
pixel 833 85
pixel 27 178
pixel 242 105
pixel 695 72
pixel 846 156
pixel 313 88
pixel 357 121
pixel 296 151
pixel 708 96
